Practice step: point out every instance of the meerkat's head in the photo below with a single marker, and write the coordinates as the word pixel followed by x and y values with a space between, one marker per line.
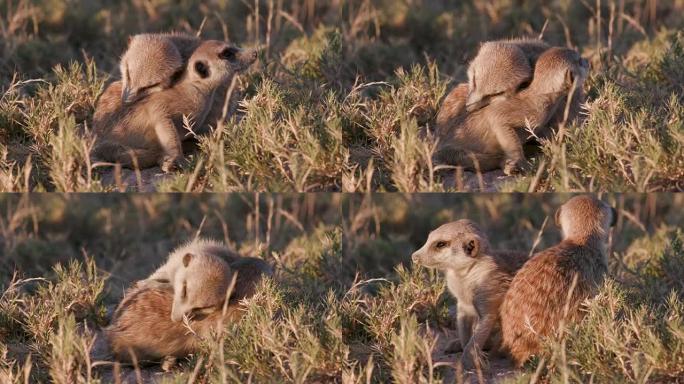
pixel 216 62
pixel 498 70
pixel 149 65
pixel 200 286
pixel 453 245
pixel 559 70
pixel 585 217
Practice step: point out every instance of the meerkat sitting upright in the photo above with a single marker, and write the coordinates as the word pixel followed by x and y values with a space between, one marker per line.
pixel 152 61
pixel 476 276
pixel 500 69
pixel 150 131
pixel 557 279
pixel 142 327
pixel 196 272
pixel 491 137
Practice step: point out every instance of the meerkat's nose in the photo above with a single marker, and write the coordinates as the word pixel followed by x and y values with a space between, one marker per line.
pixel 415 257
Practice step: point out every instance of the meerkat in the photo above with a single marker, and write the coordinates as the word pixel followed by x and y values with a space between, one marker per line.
pixel 476 276
pixel 150 131
pixel 500 69
pixel 152 61
pixel 196 272
pixel 557 279
pixel 141 326
pixel 492 137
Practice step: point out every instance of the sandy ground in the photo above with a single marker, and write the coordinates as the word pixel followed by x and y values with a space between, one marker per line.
pixel 499 368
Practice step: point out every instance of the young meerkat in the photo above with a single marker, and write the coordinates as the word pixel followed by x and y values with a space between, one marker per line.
pixel 150 131
pixel 142 327
pixel 196 272
pixel 152 61
pixel 476 276
pixel 563 275
pixel 491 137
pixel 500 69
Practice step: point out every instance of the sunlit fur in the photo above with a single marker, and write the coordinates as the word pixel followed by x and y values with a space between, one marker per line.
pixel 492 137
pixel 534 305
pixel 476 276
pixel 150 131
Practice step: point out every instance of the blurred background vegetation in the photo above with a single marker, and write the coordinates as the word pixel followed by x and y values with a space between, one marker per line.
pixel 344 88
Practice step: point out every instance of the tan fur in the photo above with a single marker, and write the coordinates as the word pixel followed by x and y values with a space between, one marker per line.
pixel 152 61
pixel 492 137
pixel 476 276
pixel 142 322
pixel 197 272
pixel 534 305
pixel 150 131
pixel 500 69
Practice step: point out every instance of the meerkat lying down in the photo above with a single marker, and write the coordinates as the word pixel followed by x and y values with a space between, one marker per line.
pixel 501 69
pixel 152 61
pixel 491 137
pixel 144 324
pixel 563 275
pixel 476 276
pixel 197 274
pixel 150 131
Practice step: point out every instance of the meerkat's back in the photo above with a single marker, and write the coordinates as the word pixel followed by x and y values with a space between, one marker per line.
pixel 500 69
pixel 153 62
pixel 550 288
pixel 142 322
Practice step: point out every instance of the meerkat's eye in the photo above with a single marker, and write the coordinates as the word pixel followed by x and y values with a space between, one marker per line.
pixel 441 244
pixel 149 87
pixel 202 69
pixel 229 53
pixel 184 292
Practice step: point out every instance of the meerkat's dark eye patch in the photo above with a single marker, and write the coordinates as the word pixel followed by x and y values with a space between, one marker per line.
pixel 202 69
pixel 441 244
pixel 184 292
pixel 471 247
pixel 229 53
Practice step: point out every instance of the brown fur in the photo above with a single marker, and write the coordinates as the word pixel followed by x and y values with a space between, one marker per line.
pixel 492 137
pixel 535 303
pixel 152 61
pixel 150 131
pixel 500 69
pixel 142 322
pixel 476 276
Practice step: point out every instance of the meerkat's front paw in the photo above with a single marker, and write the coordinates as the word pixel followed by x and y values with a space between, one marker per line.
pixel 512 167
pixel 168 363
pixel 170 163
pixel 472 359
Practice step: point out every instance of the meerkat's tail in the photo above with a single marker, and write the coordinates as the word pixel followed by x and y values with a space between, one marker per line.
pixel 126 156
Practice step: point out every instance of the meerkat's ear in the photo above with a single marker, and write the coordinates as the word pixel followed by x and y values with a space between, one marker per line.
pixel 186 259
pixel 471 247
pixel 130 38
pixel 556 217
pixel 613 214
